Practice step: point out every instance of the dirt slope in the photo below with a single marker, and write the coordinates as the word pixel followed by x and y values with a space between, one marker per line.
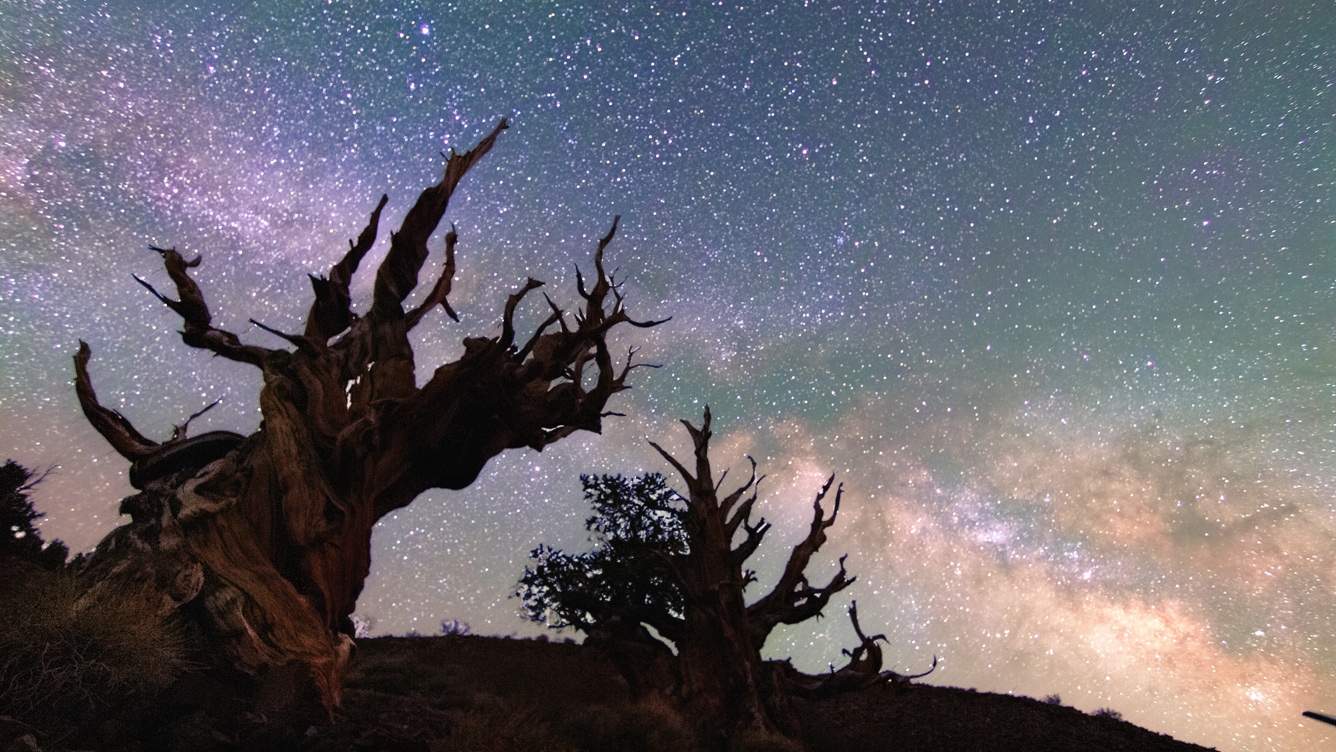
pixel 407 689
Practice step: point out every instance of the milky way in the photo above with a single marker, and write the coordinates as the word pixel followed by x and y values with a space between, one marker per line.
pixel 1049 287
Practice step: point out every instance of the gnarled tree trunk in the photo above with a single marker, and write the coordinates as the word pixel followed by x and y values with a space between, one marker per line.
pixel 262 542
pixel 725 685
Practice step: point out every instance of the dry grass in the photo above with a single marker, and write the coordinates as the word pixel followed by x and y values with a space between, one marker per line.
pixel 61 665
pixel 495 725
pixel 763 741
pixel 650 725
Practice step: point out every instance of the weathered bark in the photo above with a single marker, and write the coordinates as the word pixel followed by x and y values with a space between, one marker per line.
pixel 669 568
pixel 263 541
pixel 725 685
pixel 862 672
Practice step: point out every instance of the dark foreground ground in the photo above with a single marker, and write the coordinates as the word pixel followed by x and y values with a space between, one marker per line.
pixel 447 693
pixel 486 694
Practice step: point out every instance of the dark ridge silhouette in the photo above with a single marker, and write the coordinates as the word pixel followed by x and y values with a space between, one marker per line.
pixel 400 682
pixel 492 694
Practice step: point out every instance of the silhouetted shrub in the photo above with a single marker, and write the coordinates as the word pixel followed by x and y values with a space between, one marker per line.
pixel 19 539
pixel 1108 713
pixel 637 526
pixel 455 627
pixel 1053 700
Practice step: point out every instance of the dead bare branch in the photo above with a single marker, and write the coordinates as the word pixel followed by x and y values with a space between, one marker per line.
pixel 199 330
pixel 114 427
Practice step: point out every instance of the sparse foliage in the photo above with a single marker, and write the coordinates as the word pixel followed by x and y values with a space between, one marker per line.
pixel 626 580
pixel 455 628
pixel 20 541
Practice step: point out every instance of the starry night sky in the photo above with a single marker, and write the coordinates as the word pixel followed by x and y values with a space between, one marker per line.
pixel 1048 286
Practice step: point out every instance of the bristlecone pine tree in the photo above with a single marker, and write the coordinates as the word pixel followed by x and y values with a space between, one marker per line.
pixel 668 560
pixel 262 542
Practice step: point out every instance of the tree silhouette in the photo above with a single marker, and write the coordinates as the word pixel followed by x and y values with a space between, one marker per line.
pixel 627 582
pixel 638 523
pixel 668 560
pixel 21 545
pixel 263 542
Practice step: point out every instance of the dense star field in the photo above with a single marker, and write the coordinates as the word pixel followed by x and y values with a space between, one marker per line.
pixel 1049 287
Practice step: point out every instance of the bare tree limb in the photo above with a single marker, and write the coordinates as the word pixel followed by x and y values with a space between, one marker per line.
pixel 199 330
pixel 398 274
pixel 331 311
pixel 508 318
pixel 861 672
pixel 793 599
pixel 114 427
pixel 277 545
pixel 179 432
pixel 441 290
